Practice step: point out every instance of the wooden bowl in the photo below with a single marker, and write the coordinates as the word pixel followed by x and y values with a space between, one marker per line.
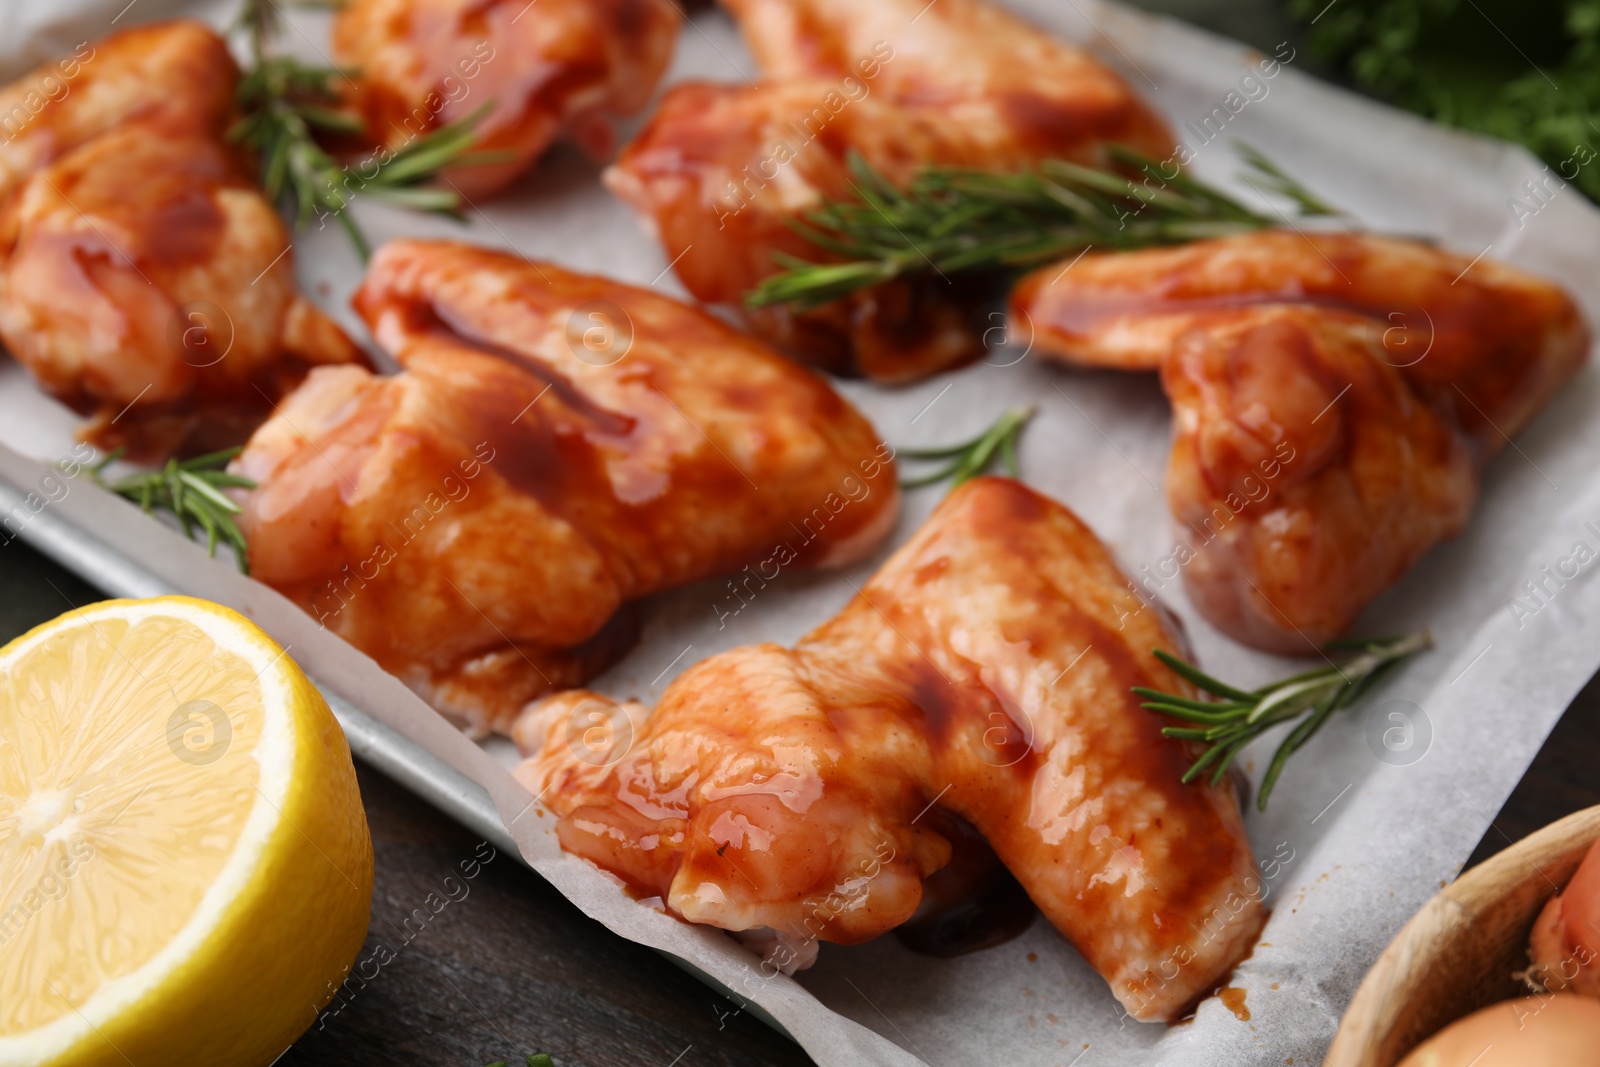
pixel 1458 954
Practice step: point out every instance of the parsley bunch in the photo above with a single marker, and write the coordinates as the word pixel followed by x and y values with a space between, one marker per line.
pixel 1525 72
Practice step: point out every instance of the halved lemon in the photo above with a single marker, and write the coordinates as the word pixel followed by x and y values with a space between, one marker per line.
pixel 185 867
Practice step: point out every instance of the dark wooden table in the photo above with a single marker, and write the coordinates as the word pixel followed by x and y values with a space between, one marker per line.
pixel 513 968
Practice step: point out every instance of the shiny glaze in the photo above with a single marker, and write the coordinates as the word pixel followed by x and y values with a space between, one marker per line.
pixel 562 489
pixel 541 70
pixel 135 252
pixel 1490 344
pixel 1335 397
pixel 720 169
pixel 175 76
pixel 147 287
pixel 1306 476
pixel 985 669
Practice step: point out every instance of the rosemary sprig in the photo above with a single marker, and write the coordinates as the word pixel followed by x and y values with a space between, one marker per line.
pixel 285 104
pixel 958 219
pixel 972 458
pixel 1273 177
pixel 1239 716
pixel 191 491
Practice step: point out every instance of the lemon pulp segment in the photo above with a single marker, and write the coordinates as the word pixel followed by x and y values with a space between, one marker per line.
pixel 147 772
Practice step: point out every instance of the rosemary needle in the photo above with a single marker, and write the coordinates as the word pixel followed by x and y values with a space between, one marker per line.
pixel 191 491
pixel 972 458
pixel 284 105
pixel 1239 716
pixel 960 219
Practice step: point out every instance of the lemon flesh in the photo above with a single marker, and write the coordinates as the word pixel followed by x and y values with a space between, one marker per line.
pixel 185 867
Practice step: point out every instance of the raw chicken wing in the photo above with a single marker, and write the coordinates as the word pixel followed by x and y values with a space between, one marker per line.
pixel 1306 476
pixel 150 288
pixel 1335 398
pixel 1490 344
pixel 984 675
pixel 557 446
pixel 540 69
pixel 721 170
pixel 173 76
pixel 143 280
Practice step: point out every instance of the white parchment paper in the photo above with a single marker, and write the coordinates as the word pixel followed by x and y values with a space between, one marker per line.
pixel 1370 820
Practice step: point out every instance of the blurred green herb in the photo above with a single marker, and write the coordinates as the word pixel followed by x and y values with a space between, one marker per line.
pixel 1528 73
pixel 958 219
pixel 284 105
pixel 972 458
pixel 1239 716
pixel 191 491
pixel 541 1060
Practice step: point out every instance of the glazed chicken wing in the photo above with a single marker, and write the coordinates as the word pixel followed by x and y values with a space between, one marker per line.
pixel 1487 342
pixel 984 674
pixel 1306 476
pixel 720 171
pixel 143 280
pixel 540 70
pixel 173 76
pixel 1335 396
pixel 150 288
pixel 557 446
pixel 975 61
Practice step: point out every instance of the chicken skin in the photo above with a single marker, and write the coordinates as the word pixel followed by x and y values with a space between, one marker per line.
pixel 984 674
pixel 541 70
pixel 172 76
pixel 556 447
pixel 721 171
pixel 1490 344
pixel 146 283
pixel 1335 397
pixel 1306 476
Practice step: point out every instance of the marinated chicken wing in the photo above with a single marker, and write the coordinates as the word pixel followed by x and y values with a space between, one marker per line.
pixel 1335 396
pixel 1482 340
pixel 557 446
pixel 539 70
pixel 984 674
pixel 173 76
pixel 143 280
pixel 721 171
pixel 150 288
pixel 1306 475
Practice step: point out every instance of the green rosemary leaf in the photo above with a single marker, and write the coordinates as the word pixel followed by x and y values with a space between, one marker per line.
pixel 191 492
pixel 1169 706
pixel 1199 766
pixel 1291 744
pixel 1203 680
pixel 419 198
pixel 972 458
pixel 1296 697
pixel 951 220
pixel 284 104
pixel 197 484
pixel 1311 696
pixel 1184 702
pixel 1276 180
